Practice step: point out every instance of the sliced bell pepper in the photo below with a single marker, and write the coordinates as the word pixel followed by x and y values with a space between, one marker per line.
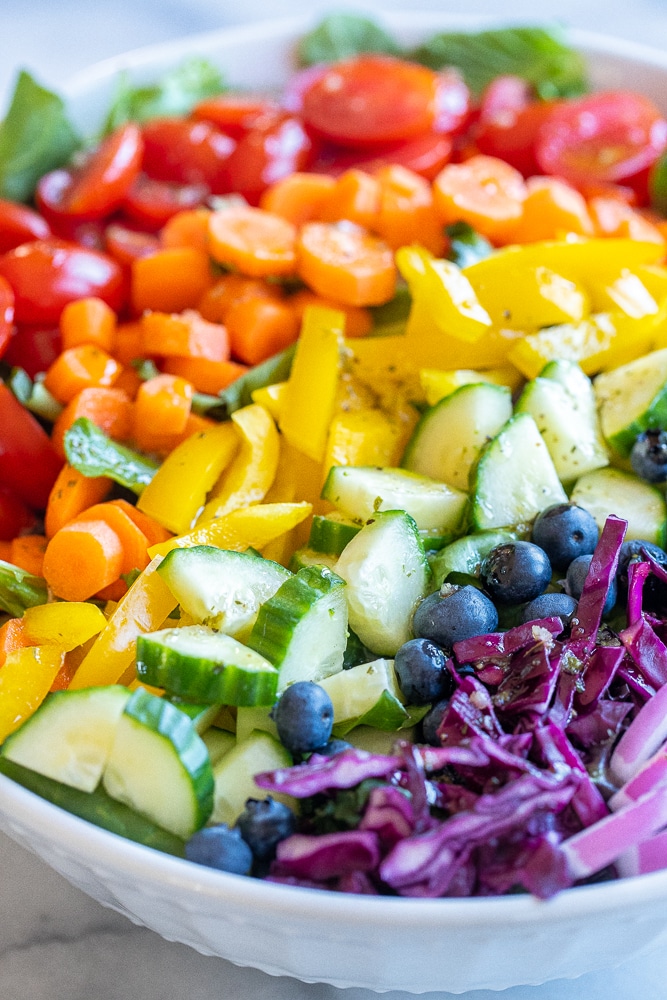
pixel 25 680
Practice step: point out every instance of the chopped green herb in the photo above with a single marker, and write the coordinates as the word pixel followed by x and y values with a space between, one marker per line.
pixel 341 36
pixel 92 453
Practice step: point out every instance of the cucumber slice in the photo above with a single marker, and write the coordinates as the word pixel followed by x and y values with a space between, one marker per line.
pixel 562 403
pixel 362 491
pixel 613 491
pixel 515 477
pixel 218 742
pixel 387 574
pixel 202 665
pixel 467 554
pixel 308 557
pixel 447 441
pixel 203 716
pixel 366 695
pixel 221 588
pixel 249 719
pixel 632 398
pixel 302 629
pixel 159 766
pixel 69 738
pixel 235 775
pixel 330 533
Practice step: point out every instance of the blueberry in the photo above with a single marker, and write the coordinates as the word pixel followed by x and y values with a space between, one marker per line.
pixel 432 720
pixel 565 531
pixel 649 456
pixel 655 590
pixel 516 572
pixel 577 572
pixel 304 717
pixel 263 824
pixel 421 669
pixel 333 746
pixel 220 847
pixel 454 613
pixel 550 605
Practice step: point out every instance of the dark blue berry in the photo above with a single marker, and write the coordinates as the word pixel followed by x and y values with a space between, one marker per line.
pixel 304 717
pixel 575 578
pixel 421 669
pixel 655 590
pixel 263 824
pixel 516 572
pixel 432 721
pixel 333 747
pixel 649 456
pixel 550 605
pixel 220 847
pixel 565 531
pixel 454 613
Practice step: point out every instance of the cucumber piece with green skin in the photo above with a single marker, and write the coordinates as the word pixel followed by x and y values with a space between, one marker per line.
pixel 632 399
pixel 330 533
pixel 447 441
pixel 363 491
pixel 235 775
pixel 387 574
pixel 203 666
pixel 302 629
pixel 249 719
pixel 515 477
pixel 466 555
pixel 203 716
pixel 70 736
pixel 562 403
pixel 218 742
pixel 613 491
pixel 221 588
pixel 159 766
pixel 308 557
pixel 366 695
pixel 96 807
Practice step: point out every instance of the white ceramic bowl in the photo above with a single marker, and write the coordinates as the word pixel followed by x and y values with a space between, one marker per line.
pixel 373 942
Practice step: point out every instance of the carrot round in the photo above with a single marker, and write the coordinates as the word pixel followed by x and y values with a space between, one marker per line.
pixel 87 321
pixel 259 328
pixel 72 493
pixel 231 288
pixel 346 263
pixel 551 209
pixel 109 409
pixel 82 558
pixel 355 197
pixel 170 280
pixel 205 375
pixel 406 211
pixel 134 542
pixel 185 335
pixel 485 192
pixel 27 551
pixel 256 242
pixel 188 228
pixel 358 320
pixel 161 408
pixel 80 367
pixel 298 197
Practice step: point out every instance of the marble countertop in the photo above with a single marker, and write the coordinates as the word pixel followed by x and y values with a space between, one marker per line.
pixel 55 943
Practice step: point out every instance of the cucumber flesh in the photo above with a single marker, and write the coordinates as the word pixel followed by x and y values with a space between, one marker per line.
pixel 330 533
pixel 367 694
pixel 249 719
pixel 613 491
pixel 631 399
pixel 235 775
pixel 69 738
pixel 218 742
pixel 387 574
pixel 467 554
pixel 309 557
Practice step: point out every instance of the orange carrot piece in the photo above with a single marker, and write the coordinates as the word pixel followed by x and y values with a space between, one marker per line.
pixel 355 197
pixel 258 328
pixel 613 217
pixel 82 367
pixel 184 335
pixel 406 211
pixel 188 228
pixel 358 321
pixel 171 280
pixel 161 409
pixel 154 532
pixel 109 409
pixel 161 444
pixel 206 376
pixel 345 262
pixel 133 541
pixel 5 550
pixel 82 558
pixel 66 673
pixel 87 321
pixel 128 343
pixel 12 637
pixel 485 192
pixel 72 493
pixel 256 242
pixel 551 209
pixel 27 551
pixel 231 288
pixel 298 197
pixel 128 382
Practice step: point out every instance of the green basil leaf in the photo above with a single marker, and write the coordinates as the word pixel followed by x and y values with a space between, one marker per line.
pixel 35 137
pixel 239 393
pixel 390 319
pixel 341 36
pixel 20 590
pixel 466 245
pixel 93 453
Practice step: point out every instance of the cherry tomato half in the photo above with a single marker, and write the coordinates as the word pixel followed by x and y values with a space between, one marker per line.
pixel 127 245
pixel 151 203
pixel 6 314
pixel 608 136
pixel 15 515
pixel 512 135
pixel 28 463
pixel 34 348
pixel 277 145
pixel 426 155
pixel 19 224
pixel 232 113
pixel 186 152
pixel 47 274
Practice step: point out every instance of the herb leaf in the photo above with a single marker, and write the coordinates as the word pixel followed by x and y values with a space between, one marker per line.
pixel 466 245
pixel 20 590
pixel 92 453
pixel 35 137
pixel 341 36
pixel 239 393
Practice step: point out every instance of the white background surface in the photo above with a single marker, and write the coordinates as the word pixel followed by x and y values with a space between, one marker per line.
pixel 55 943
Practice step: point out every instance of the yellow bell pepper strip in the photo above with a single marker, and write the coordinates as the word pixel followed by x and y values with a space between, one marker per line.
pixel 25 680
pixel 250 527
pixel 271 397
pixel 364 437
pixel 65 624
pixel 445 290
pixel 310 394
pixel 654 279
pixel 527 297
pixel 179 488
pixel 143 608
pixel 438 383
pixel 624 292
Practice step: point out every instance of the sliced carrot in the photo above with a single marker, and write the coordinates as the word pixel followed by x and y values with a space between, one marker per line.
pixel 66 672
pixel 148 526
pixel 109 409
pixel 551 209
pixel 406 211
pixel 72 493
pixel 81 367
pixel 256 242
pixel 206 376
pixel 133 541
pixel 485 192
pixel 128 342
pixel 161 409
pixel 170 280
pixel 82 558
pixel 27 551
pixel 188 228
pixel 355 197
pixel 344 262
pixel 258 328
pixel 184 334
pixel 602 189
pixel 231 288
pixel 113 591
pixel 358 321
pixel 128 382
pixel 298 197
pixel 87 321
pixel 12 637
pixel 613 217
pixel 5 550
pixel 163 444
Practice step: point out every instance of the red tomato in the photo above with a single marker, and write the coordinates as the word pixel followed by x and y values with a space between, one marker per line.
pixel 97 188
pixel 232 113
pixel 608 136
pixel 15 515
pixel 277 145
pixel 127 245
pixel 34 348
pixel 504 95
pixel 512 135
pixel 426 155
pixel 378 99
pixel 186 152
pixel 47 274
pixel 297 85
pixel 6 314
pixel 28 463
pixel 19 224
pixel 151 203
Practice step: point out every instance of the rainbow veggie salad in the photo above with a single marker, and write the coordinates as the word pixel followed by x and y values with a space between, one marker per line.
pixel 333 451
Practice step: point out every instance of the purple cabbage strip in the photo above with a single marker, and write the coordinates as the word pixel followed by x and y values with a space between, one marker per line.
pixel 647 650
pixel 530 681
pixel 389 814
pixel 638 573
pixel 599 671
pixel 602 570
pixel 415 783
pixel 500 645
pixel 345 770
pixel 560 755
pixel 327 856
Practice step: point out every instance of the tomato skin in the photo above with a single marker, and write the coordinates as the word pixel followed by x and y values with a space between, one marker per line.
pixel 34 348
pixel 6 314
pixel 512 134
pixel 607 136
pixel 15 515
pixel 277 145
pixel 151 203
pixel 20 224
pixel 126 245
pixel 505 95
pixel 233 114
pixel 186 152
pixel 426 155
pixel 28 463
pixel 47 274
